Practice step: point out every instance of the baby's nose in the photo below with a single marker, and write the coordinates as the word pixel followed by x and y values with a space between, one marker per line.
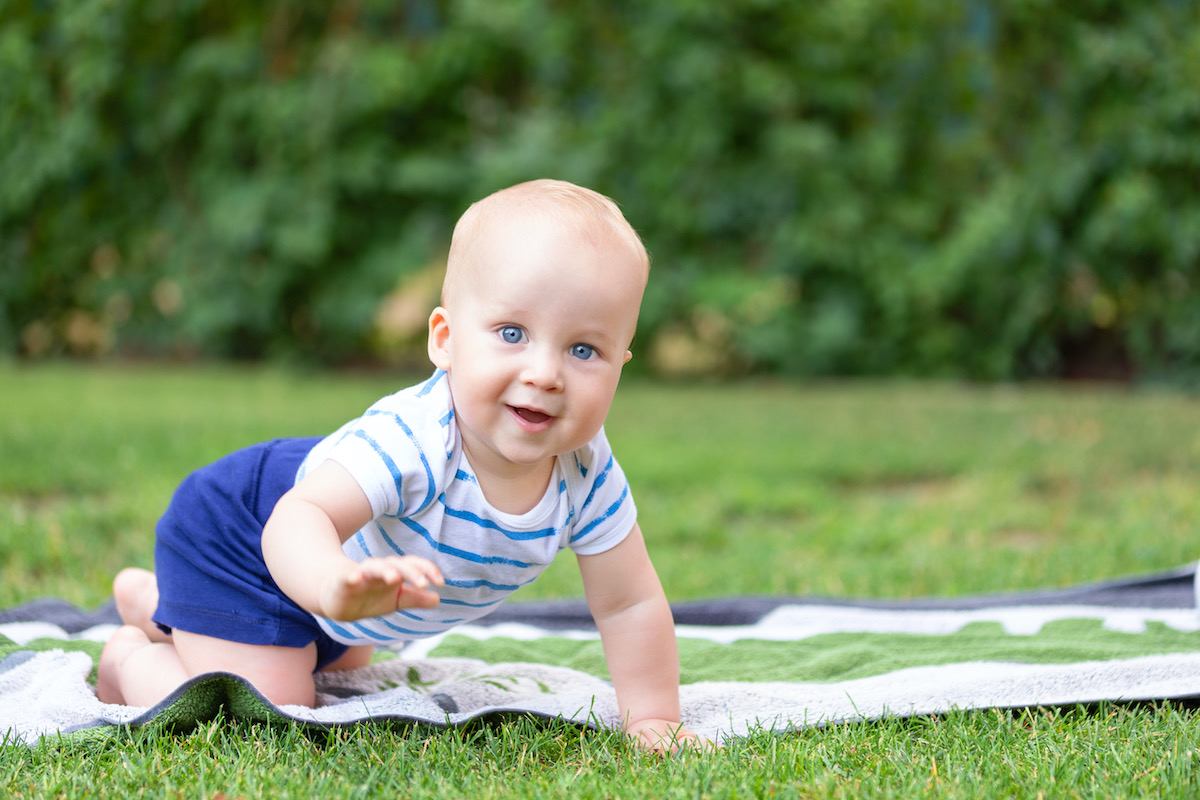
pixel 543 370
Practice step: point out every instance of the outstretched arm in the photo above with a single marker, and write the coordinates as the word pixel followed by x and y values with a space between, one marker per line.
pixel 302 547
pixel 638 633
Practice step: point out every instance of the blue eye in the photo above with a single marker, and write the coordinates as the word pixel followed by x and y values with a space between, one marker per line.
pixel 512 334
pixel 583 351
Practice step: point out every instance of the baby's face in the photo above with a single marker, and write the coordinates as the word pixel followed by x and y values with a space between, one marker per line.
pixel 536 336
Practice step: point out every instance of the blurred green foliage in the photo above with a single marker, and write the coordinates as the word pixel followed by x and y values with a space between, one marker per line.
pixel 992 188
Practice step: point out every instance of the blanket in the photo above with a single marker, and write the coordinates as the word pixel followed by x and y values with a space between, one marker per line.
pixel 747 664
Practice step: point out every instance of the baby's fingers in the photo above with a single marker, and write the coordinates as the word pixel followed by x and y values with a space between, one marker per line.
pixel 419 578
pixel 662 736
pixel 378 571
pixel 418 572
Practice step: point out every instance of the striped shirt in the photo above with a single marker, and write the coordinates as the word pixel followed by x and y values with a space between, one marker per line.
pixel 406 454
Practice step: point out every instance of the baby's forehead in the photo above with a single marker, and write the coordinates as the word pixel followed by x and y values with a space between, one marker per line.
pixel 495 236
pixel 592 222
pixel 504 223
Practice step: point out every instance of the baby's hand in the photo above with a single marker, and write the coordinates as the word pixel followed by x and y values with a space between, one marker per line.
pixel 664 736
pixel 378 586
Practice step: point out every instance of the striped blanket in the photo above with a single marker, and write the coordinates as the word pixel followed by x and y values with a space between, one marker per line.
pixel 747 664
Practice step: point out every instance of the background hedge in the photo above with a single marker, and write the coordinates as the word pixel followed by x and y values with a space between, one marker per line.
pixel 992 189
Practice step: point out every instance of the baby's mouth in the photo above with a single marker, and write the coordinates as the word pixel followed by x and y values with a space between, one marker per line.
pixel 531 416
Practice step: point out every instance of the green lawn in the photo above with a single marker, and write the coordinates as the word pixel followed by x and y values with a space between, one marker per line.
pixel 840 489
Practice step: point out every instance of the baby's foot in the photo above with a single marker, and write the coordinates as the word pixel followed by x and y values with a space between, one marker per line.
pixel 136 594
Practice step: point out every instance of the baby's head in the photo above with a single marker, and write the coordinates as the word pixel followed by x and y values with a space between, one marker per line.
pixel 587 218
pixel 543 286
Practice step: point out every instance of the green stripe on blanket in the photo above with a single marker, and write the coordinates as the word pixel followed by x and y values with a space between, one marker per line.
pixel 848 656
pixel 92 649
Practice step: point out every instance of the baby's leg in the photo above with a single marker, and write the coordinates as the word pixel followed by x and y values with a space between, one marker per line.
pixel 284 675
pixel 136 671
pixel 136 593
pixel 354 658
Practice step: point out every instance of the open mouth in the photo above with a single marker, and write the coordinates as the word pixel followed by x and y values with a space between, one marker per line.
pixel 531 416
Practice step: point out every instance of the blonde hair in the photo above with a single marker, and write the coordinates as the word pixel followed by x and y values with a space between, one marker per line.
pixel 585 213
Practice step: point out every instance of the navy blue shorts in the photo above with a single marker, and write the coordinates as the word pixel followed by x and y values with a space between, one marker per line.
pixel 212 579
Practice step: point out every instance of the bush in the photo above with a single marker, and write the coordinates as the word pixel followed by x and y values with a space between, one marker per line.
pixel 990 189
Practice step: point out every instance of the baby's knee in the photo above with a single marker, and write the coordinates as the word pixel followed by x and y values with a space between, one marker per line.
pixel 123 640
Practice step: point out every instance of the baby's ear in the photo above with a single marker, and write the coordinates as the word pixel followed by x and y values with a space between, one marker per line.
pixel 439 338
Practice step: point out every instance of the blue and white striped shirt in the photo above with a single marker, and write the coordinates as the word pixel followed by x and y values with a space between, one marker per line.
pixel 406 454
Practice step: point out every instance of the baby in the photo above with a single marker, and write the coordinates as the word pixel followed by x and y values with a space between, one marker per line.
pixel 301 555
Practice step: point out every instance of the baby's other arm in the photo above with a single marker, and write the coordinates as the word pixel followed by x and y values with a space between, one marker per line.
pixel 638 632
pixel 302 547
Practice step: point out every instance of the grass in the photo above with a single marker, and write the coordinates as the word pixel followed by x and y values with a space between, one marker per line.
pixel 839 489
pixel 1106 753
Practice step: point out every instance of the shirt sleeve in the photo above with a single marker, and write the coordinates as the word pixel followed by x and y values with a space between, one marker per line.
pixel 606 513
pixel 392 452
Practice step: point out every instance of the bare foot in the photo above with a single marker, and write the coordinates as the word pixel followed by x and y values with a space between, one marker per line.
pixel 136 593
